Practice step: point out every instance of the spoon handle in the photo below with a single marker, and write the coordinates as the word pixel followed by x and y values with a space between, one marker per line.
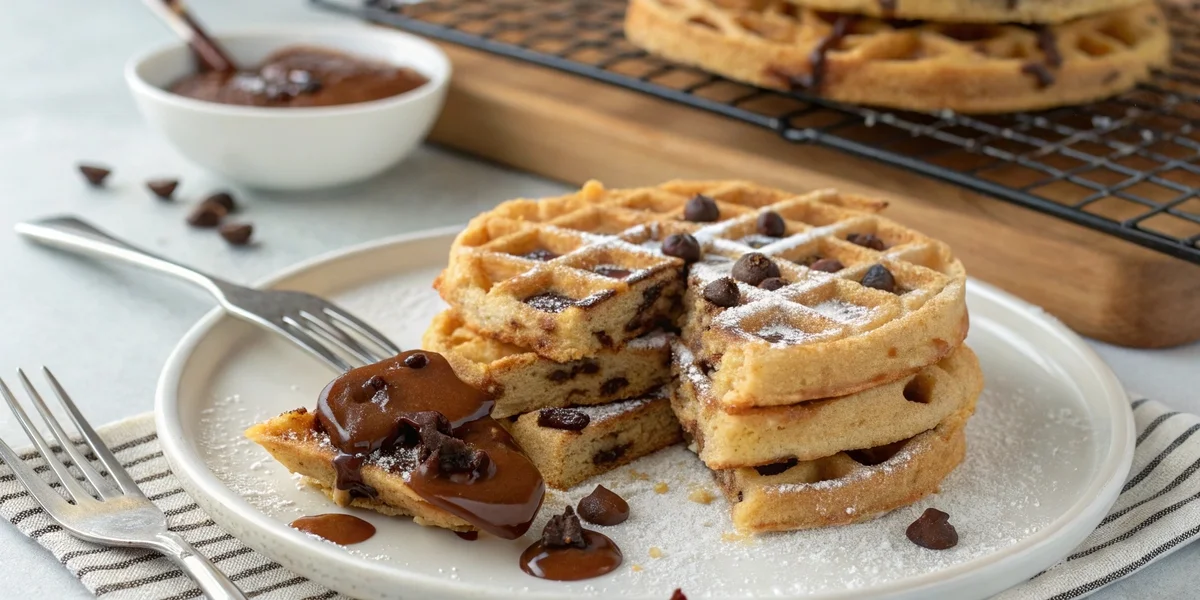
pixel 175 15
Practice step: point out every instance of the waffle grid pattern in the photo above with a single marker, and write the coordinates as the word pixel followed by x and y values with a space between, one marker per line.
pixel 1128 166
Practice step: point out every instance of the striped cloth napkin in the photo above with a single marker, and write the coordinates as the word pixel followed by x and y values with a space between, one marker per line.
pixel 1156 513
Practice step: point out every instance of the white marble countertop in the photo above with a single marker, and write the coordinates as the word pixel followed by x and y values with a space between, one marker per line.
pixel 63 100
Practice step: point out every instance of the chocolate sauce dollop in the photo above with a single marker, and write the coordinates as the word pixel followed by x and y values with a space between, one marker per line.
pixel 387 406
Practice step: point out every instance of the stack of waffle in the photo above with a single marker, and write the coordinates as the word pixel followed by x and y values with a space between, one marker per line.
pixel 980 56
pixel 819 370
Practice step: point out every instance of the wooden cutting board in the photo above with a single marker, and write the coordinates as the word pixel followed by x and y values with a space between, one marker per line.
pixel 572 129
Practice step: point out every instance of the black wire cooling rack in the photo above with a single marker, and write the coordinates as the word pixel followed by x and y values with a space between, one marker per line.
pixel 1128 166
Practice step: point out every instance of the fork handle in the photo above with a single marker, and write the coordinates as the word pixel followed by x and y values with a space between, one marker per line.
pixel 211 580
pixel 75 234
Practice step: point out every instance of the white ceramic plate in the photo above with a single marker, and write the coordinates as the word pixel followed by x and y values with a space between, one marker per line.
pixel 1047 451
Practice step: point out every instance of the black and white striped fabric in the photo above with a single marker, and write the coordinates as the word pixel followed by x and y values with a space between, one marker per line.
pixel 1158 512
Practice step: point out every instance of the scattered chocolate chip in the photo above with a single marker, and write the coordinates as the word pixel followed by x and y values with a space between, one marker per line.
pixel 771 224
pixel 163 188
pixel 933 530
pixel 753 268
pixel 701 209
pixel 95 175
pixel 772 283
pixel 866 240
pixel 563 418
pixel 682 245
pixel 443 454
pixel 564 531
pixel 880 278
pixel 678 595
pixel 722 292
pixel 550 302
pixel 375 383
pixel 603 507
pixel 237 234
pixel 776 468
pixel 206 215
pixel 417 427
pixel 416 361
pixel 224 200
pixel 828 265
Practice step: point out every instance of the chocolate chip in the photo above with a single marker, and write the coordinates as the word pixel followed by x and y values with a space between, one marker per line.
pixel 551 302
pixel 682 245
pixel 163 188
pixel 237 234
pixel 722 292
pixel 880 278
pixel 589 367
pixel 562 418
pixel 613 385
pixel 678 595
pixel 772 283
pixel 470 536
pixel 603 507
pixel 771 224
pixel 701 209
pixel 753 268
pixel 559 376
pixel 610 455
pixel 440 453
pixel 95 175
pixel 776 468
pixel 206 215
pixel 540 254
pixel 612 271
pixel 564 531
pixel 866 240
pixel 828 265
pixel 418 427
pixel 224 200
pixel 376 383
pixel 933 530
pixel 416 361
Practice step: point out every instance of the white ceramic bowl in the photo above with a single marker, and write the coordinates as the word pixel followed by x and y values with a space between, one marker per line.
pixel 294 148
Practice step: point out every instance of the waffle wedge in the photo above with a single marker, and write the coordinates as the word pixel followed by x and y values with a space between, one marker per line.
pixel 820 428
pixel 912 65
pixel 520 381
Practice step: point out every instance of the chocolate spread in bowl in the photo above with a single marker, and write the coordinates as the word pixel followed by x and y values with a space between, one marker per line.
pixel 464 462
pixel 301 76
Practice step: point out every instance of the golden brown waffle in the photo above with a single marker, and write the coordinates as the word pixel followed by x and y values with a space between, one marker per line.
pixel 616 435
pixel 926 66
pixel 972 11
pixel 847 487
pixel 520 381
pixel 293 440
pixel 820 428
pixel 837 336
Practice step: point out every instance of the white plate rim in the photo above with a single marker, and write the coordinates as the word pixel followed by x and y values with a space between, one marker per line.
pixel 231 511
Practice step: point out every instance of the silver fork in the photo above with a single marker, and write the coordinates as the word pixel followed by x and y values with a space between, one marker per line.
pixel 121 516
pixel 305 319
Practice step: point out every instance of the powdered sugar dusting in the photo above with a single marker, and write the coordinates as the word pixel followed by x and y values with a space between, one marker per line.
pixel 842 311
pixel 783 334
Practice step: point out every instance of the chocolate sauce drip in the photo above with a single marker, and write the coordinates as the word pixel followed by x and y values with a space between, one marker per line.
pixel 466 463
pixel 817 59
pixel 599 555
pixel 1047 42
pixel 337 528
pixel 348 468
pixel 1039 71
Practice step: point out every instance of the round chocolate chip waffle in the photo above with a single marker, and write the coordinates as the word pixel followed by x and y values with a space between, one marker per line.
pixel 913 65
pixel 972 11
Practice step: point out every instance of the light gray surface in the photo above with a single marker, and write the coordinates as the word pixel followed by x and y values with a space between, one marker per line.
pixel 107 330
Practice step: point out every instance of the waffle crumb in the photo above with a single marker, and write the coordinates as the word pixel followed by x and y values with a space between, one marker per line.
pixel 635 568
pixel 732 536
pixel 661 488
pixel 656 552
pixel 700 495
pixel 638 475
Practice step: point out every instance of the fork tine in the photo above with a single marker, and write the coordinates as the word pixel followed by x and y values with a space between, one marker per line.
pixel 361 328
pixel 102 486
pixel 38 488
pixel 297 335
pixel 110 462
pixel 328 329
pixel 68 480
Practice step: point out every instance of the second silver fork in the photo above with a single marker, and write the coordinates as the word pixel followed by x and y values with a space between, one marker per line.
pixel 324 329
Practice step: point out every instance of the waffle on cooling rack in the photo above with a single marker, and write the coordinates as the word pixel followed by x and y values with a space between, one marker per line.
pixel 972 11
pixel 913 65
pixel 765 347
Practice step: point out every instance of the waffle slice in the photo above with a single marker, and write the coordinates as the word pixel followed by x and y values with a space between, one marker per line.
pixel 520 381
pixel 847 487
pixel 616 434
pixel 293 440
pixel 913 65
pixel 972 11
pixel 821 428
